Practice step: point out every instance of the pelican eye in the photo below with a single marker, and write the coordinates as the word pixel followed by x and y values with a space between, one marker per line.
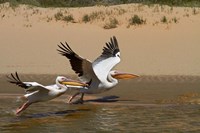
pixel 115 72
pixel 62 79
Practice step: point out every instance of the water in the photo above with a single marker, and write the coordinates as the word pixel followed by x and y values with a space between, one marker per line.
pixel 148 104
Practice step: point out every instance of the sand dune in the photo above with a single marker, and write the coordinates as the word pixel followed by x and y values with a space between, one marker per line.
pixel 29 38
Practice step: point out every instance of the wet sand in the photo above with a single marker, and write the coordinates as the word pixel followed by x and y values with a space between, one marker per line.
pixel 144 90
pixel 147 104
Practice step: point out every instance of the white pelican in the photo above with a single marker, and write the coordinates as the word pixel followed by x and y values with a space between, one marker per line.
pixel 97 74
pixel 36 92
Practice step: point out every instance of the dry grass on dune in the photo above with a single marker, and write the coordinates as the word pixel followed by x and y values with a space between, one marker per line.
pixel 107 17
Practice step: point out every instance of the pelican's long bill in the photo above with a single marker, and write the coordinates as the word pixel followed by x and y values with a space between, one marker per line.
pixel 74 83
pixel 122 75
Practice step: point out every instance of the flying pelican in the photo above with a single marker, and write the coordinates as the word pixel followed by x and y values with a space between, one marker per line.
pixel 97 74
pixel 36 92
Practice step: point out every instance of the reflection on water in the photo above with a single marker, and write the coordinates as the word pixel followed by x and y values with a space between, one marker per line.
pixel 131 107
pixel 115 118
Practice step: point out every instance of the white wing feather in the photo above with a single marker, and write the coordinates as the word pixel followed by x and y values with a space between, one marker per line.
pixel 28 86
pixel 109 58
pixel 34 86
pixel 81 66
pixel 99 69
pixel 102 67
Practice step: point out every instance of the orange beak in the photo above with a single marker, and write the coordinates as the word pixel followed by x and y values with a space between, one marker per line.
pixel 120 75
pixel 74 83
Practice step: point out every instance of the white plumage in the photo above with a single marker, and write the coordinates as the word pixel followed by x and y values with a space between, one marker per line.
pixel 36 92
pixel 97 74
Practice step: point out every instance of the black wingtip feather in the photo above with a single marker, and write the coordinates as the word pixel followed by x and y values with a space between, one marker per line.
pixel 65 50
pixel 75 60
pixel 17 76
pixel 16 80
pixel 111 47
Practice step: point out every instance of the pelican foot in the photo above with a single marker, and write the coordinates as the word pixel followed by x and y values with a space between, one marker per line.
pixel 79 101
pixel 17 112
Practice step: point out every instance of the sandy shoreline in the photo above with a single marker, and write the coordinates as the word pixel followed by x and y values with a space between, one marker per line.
pixel 29 38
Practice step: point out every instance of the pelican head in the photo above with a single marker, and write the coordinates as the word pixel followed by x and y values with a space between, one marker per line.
pixel 69 82
pixel 122 75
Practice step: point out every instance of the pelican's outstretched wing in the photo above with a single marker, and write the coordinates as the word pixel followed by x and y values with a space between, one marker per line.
pixel 81 66
pixel 28 86
pixel 107 60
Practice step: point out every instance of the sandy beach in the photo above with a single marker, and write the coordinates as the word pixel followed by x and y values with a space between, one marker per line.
pixel 29 37
pixel 162 46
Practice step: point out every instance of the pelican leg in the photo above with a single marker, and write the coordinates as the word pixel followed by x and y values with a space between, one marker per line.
pixel 80 100
pixel 23 107
pixel 72 97
pixel 82 95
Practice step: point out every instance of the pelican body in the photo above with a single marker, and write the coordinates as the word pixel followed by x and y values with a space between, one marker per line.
pixel 36 92
pixel 97 74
